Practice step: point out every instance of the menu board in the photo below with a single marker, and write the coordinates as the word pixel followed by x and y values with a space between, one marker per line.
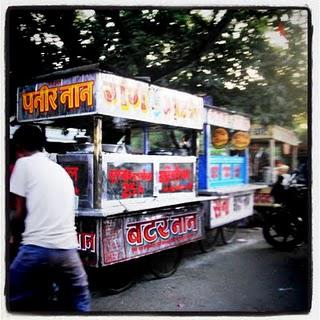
pixel 132 99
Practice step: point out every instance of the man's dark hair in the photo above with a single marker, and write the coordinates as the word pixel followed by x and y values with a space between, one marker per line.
pixel 29 137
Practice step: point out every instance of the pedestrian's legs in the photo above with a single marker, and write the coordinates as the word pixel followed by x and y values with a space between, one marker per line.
pixel 28 281
pixel 72 280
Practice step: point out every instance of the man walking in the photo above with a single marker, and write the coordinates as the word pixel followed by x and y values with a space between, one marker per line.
pixel 48 253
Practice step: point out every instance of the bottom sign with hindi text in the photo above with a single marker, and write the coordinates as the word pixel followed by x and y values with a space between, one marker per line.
pixel 140 235
pixel 226 209
pixel 108 240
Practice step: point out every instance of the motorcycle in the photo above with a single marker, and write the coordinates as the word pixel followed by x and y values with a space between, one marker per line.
pixel 285 225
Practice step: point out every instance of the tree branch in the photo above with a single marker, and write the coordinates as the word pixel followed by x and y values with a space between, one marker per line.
pixel 195 54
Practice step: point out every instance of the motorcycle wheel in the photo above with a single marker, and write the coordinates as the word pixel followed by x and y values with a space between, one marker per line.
pixel 283 234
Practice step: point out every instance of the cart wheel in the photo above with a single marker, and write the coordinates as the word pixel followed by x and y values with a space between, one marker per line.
pixel 208 243
pixel 228 232
pixel 120 283
pixel 165 263
pixel 113 279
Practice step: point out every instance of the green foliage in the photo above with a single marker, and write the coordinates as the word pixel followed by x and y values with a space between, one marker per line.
pixel 207 52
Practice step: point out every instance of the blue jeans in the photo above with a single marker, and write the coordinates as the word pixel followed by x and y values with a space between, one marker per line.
pixel 35 269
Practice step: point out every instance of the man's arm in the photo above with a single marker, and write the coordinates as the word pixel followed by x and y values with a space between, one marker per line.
pixel 17 222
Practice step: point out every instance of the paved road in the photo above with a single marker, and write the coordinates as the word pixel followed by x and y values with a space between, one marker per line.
pixel 248 277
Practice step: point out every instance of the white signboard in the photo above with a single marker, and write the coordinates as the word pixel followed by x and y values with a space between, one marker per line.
pixel 227 120
pixel 110 95
pixel 132 99
pixel 231 208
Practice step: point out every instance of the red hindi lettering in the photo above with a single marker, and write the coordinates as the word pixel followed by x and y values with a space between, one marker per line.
pixel 73 172
pixel 89 242
pixel 178 225
pixel 127 190
pixel 216 208
pixel 214 172
pixel 150 232
pixel 163 228
pixel 226 171
pixel 191 222
pixel 225 206
pixel 237 171
pixel 131 190
pixel 134 234
pixel 112 175
pixel 140 189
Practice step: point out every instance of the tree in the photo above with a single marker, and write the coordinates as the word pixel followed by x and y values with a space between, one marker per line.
pixel 209 52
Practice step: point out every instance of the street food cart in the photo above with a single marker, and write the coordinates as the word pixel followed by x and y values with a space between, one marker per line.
pixel 273 151
pixel 138 196
pixel 129 204
pixel 223 172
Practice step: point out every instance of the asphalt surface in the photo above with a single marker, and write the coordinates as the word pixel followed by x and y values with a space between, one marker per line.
pixel 247 277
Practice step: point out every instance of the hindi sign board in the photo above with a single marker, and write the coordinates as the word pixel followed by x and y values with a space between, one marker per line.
pixel 227 120
pixel 57 98
pixel 110 95
pixel 132 236
pixel 137 100
pixel 226 209
pixel 155 232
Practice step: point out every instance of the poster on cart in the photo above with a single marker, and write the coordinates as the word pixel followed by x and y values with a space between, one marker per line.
pixel 227 209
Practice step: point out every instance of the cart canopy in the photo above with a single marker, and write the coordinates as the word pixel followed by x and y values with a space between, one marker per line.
pixel 221 117
pixel 259 132
pixel 100 93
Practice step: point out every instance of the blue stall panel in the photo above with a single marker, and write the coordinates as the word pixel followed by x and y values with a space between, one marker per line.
pixel 225 171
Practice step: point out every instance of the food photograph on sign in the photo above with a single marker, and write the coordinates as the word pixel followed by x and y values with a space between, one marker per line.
pixel 240 140
pixel 220 138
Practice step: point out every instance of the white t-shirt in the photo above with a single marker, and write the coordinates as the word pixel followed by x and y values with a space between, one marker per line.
pixel 49 194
